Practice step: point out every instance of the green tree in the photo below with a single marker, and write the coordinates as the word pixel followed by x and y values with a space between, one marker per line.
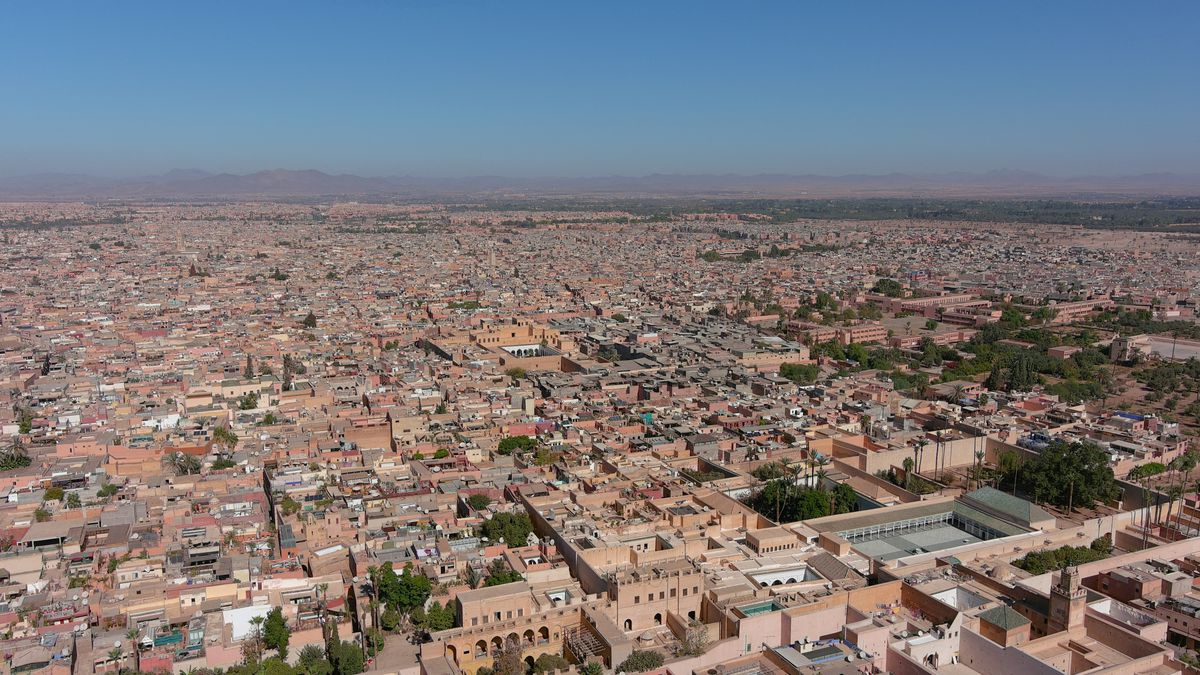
pixel 25 417
pixel 550 663
pixel 73 500
pixel 769 471
pixel 253 645
pixel 512 443
pixel 312 661
pixel 512 528
pixel 888 287
pixel 390 619
pixel 845 499
pixel 640 661
pixel 223 436
pixel 347 658
pixel 800 373
pixel 288 506
pixel 438 618
pixel 499 573
pixel 1070 475
pixel 403 592
pixel 1008 462
pixel 479 501
pixel 183 463
pixel 14 457
pixel 53 493
pixel 275 632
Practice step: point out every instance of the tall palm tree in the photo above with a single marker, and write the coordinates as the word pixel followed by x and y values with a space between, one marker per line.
pixel 908 469
pixel 920 451
pixel 1174 492
pixel 945 458
pixel 1009 462
pixel 822 462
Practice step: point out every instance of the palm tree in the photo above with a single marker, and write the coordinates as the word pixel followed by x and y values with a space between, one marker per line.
pixel 115 654
pixel 1174 492
pixel 132 635
pixel 789 469
pixel 908 469
pixel 937 457
pixel 945 456
pixel 183 463
pixel 1141 473
pixel 978 468
pixel 956 393
pixel 1009 462
pixel 822 461
pixel 920 451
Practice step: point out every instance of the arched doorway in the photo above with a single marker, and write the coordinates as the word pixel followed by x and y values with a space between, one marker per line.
pixel 529 638
pixel 452 653
pixel 692 615
pixel 628 624
pixel 658 619
pixel 480 649
pixel 544 635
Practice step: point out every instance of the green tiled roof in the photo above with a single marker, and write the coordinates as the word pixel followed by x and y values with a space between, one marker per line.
pixel 1018 509
pixel 1004 617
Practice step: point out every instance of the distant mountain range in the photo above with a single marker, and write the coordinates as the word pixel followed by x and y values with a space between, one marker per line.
pixel 282 183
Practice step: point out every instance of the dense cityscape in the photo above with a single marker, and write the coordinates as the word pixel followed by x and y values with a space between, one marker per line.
pixel 328 437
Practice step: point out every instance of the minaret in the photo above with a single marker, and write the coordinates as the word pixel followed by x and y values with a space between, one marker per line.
pixel 1068 602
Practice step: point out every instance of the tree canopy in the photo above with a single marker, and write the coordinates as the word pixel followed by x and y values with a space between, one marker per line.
pixel 513 528
pixel 800 373
pixel 402 592
pixel 511 443
pixel 639 661
pixel 499 573
pixel 1073 474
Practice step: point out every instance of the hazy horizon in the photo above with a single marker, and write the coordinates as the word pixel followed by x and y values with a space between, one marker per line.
pixel 619 89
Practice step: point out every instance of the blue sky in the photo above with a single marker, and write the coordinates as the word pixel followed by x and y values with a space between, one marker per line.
pixel 596 88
